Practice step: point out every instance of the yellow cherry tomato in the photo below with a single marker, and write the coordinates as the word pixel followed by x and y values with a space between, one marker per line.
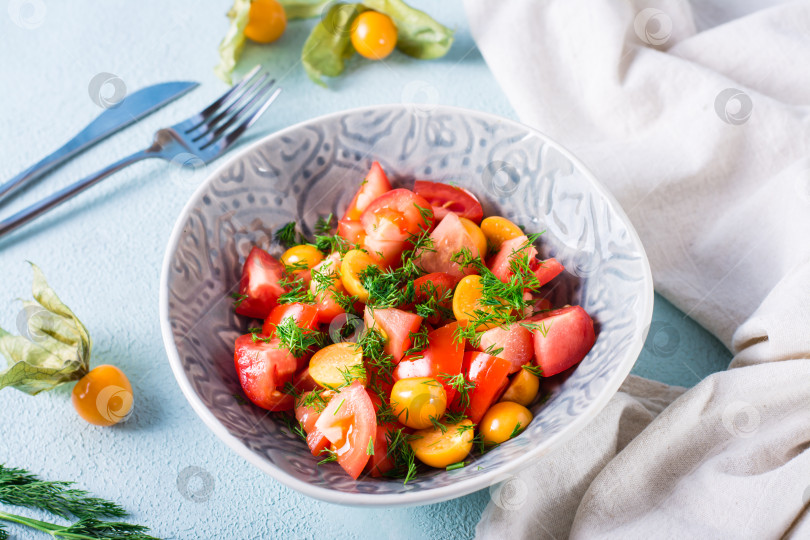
pixel 354 262
pixel 338 364
pixel 415 401
pixel 437 449
pixel 476 235
pixel 466 298
pixel 374 35
pixel 503 420
pixel 304 256
pixel 266 22
pixel 523 388
pixel 498 230
pixel 104 396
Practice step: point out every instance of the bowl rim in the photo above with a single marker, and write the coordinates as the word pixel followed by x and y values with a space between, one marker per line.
pixel 416 497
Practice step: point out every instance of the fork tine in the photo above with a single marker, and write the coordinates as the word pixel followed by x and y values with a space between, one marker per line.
pixel 209 125
pixel 245 125
pixel 198 119
pixel 257 98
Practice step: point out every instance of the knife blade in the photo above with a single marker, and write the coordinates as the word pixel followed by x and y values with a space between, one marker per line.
pixel 131 109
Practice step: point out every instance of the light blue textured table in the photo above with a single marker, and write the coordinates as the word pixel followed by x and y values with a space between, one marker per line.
pixel 102 254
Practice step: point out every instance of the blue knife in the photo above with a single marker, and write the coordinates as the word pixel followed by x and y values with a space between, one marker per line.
pixel 131 109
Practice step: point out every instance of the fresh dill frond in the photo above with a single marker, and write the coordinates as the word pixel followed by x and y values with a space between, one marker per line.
pixel 18 487
pixel 288 235
pixel 402 454
pixel 21 488
pixel 297 340
pixel 331 456
pixel 419 341
pixel 238 299
pixel 534 370
pixel 462 387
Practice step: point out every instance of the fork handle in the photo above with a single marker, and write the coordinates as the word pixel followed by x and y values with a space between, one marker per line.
pixel 37 209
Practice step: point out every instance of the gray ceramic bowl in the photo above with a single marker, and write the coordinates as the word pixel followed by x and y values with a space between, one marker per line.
pixel 314 168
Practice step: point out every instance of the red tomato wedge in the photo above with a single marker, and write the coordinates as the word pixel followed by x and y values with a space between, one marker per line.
pixel 325 274
pixel 263 370
pixel 500 262
pixel 391 220
pixel 307 416
pixel 380 462
pixel 564 338
pixel 449 237
pixel 374 185
pixel 396 326
pixel 350 425
pixel 303 381
pixel 489 375
pixel 437 285
pixel 445 198
pixel 443 356
pixel 304 315
pixel 546 270
pixel 259 286
pixel 516 342
pixel 351 231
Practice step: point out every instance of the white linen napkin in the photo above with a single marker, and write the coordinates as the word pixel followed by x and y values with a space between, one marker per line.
pixel 696 117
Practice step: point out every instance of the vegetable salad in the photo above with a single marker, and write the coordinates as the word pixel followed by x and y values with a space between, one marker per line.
pixel 412 330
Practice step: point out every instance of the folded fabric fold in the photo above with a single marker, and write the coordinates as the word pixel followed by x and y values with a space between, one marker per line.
pixel 695 116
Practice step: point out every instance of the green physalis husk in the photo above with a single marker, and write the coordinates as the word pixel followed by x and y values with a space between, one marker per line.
pixel 329 45
pixel 58 350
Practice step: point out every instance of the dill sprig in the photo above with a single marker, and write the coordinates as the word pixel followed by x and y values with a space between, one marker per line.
pixel 419 342
pixel 379 364
pixel 289 236
pixel 331 456
pixel 394 287
pixel 502 302
pixel 21 488
pixel 318 399
pixel 325 280
pixel 462 387
pixel 297 340
pixel 326 240
pixel 534 370
pixel 494 349
pixel 238 299
pixel 401 453
pixel 435 303
pixel 297 291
